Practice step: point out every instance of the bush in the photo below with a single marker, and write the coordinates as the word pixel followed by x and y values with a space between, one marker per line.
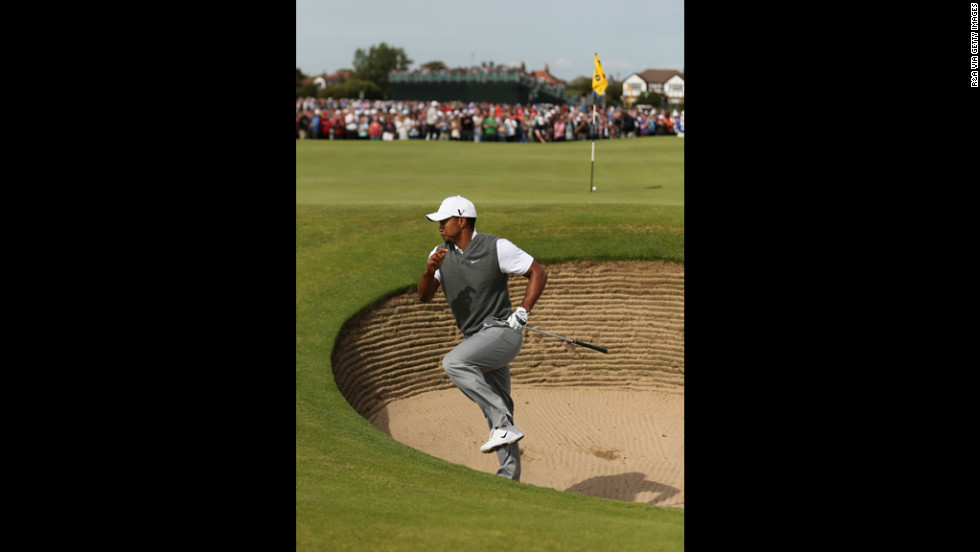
pixel 352 88
pixel 306 91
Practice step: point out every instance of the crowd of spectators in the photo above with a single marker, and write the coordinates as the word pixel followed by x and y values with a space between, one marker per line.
pixel 486 70
pixel 354 119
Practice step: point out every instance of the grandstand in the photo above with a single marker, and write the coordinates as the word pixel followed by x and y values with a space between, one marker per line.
pixel 479 84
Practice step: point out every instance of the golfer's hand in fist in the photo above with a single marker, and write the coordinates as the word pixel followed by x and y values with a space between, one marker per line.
pixel 435 261
pixel 518 319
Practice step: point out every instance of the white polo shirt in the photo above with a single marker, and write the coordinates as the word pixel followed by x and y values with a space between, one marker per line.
pixel 510 258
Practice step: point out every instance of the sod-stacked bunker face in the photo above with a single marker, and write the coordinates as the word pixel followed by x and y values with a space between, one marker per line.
pixel 607 425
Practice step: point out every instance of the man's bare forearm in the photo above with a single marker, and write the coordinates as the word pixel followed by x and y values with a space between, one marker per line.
pixel 536 280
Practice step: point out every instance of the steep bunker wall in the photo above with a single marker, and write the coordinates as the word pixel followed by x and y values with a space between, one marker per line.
pixel 393 350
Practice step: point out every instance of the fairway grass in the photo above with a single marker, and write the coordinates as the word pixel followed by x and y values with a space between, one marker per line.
pixel 361 235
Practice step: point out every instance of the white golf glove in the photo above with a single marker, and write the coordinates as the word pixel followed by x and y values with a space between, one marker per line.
pixel 518 319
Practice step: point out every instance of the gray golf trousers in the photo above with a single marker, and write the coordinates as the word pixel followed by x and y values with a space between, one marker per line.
pixel 480 368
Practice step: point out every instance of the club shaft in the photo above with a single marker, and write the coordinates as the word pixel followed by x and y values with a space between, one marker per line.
pixel 575 341
pixel 547 333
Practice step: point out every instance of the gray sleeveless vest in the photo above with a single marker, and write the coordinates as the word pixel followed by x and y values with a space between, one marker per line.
pixel 474 286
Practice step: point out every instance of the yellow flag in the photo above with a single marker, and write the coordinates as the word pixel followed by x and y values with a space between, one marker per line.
pixel 599 82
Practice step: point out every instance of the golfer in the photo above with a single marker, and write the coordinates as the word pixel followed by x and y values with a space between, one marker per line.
pixel 473 269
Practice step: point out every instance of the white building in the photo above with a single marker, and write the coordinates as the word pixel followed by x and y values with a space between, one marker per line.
pixel 667 82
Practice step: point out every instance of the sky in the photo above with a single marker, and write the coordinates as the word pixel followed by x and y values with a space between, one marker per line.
pixel 630 36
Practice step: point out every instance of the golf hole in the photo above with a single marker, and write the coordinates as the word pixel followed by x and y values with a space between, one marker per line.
pixel 608 425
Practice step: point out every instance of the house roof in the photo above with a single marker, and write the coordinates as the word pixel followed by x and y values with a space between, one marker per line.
pixel 331 77
pixel 659 75
pixel 546 76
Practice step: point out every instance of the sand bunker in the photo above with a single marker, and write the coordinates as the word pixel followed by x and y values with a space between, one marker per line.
pixel 607 425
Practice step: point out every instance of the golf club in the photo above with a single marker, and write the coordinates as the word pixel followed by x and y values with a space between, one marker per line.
pixel 495 322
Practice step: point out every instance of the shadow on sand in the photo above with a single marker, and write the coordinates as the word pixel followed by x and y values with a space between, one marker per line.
pixel 625 486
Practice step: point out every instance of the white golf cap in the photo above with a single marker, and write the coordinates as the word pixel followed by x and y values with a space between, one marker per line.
pixel 456 206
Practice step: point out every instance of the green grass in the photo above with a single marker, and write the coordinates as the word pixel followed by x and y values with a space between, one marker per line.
pixel 361 235
pixel 642 171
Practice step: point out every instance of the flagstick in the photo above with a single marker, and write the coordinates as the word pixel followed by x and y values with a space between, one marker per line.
pixel 594 131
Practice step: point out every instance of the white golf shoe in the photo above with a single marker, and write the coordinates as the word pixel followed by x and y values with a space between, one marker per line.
pixel 500 437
